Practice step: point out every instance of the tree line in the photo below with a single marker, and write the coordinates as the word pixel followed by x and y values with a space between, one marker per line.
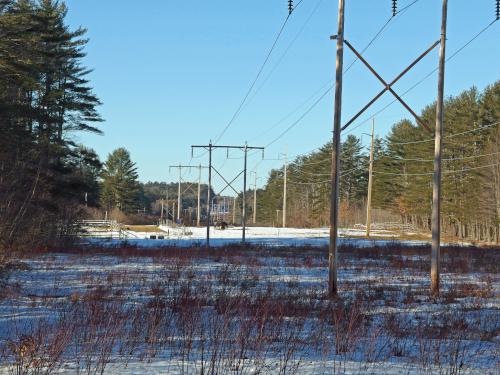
pixel 48 182
pixel 403 166
pixel 45 97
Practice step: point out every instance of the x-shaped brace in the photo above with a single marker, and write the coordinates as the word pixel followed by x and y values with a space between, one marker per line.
pixel 388 86
pixel 228 184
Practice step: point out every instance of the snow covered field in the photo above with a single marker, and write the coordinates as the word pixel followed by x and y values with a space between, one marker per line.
pixel 238 310
pixel 269 236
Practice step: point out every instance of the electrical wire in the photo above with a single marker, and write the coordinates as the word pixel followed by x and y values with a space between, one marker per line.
pixel 385 107
pixel 296 122
pixel 425 160
pixel 331 85
pixel 482 127
pixel 326 181
pixel 443 159
pixel 268 55
pixel 281 58
pixel 444 171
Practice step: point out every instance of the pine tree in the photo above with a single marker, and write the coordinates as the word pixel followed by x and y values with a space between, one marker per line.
pixel 119 188
pixel 44 95
pixel 353 167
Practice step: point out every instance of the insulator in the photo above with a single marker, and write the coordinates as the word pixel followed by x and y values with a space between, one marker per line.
pixel 290 6
pixel 498 9
pixel 394 7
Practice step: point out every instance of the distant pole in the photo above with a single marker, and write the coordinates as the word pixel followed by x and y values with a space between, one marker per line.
pixel 243 212
pixel 234 210
pixel 179 196
pixel 370 182
pixel 166 196
pixel 208 193
pixel 334 198
pixel 161 214
pixel 255 199
pixel 307 201
pixel 284 189
pixel 199 200
pixel 245 149
pixel 438 144
pixel 224 210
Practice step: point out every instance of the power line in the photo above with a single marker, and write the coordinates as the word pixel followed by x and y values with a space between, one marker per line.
pixel 299 164
pixel 311 183
pixel 444 159
pixel 317 162
pixel 482 127
pixel 268 55
pixel 309 109
pixel 281 58
pixel 330 85
pixel 296 122
pixel 401 174
pixel 283 119
pixel 380 31
pixel 326 181
pixel 445 171
pixel 421 160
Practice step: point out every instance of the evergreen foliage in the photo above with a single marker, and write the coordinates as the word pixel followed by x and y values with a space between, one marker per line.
pixel 403 167
pixel 120 188
pixel 44 97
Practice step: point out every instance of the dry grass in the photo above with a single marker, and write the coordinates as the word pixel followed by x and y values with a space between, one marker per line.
pixel 143 228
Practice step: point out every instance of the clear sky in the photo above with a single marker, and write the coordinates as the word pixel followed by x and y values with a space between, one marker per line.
pixel 172 73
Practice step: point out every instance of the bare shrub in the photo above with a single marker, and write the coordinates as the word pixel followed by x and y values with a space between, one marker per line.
pixel 39 349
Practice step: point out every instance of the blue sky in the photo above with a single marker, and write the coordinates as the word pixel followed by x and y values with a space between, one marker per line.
pixel 172 73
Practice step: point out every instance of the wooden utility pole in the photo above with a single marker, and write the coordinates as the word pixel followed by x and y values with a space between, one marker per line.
pixel 284 190
pixel 255 199
pixel 209 188
pixel 234 210
pixel 179 199
pixel 436 190
pixel 161 214
pixel 179 193
pixel 198 206
pixel 166 199
pixel 245 149
pixel 334 198
pixel 370 182
pixel 244 217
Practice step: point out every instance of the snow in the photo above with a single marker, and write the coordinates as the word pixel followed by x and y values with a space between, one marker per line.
pixel 47 290
pixel 268 236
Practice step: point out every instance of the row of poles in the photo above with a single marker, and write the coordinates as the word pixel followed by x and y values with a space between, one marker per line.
pixel 335 166
pixel 210 147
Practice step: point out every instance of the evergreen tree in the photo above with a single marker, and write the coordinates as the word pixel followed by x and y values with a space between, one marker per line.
pixel 44 96
pixel 120 188
pixel 353 167
pixel 403 168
